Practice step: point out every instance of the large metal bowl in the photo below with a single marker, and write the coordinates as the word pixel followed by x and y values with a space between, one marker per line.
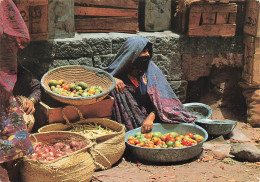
pixel 200 110
pixel 168 154
pixel 217 127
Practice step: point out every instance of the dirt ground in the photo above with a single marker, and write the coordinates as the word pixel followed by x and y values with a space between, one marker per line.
pixel 204 167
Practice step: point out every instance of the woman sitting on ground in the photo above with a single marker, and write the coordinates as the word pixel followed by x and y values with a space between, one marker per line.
pixel 142 94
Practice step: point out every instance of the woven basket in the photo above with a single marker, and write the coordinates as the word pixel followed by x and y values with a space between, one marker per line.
pixel 76 73
pixel 108 149
pixel 75 167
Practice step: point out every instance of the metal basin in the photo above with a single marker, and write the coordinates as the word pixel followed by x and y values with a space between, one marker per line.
pixel 216 127
pixel 168 154
pixel 200 110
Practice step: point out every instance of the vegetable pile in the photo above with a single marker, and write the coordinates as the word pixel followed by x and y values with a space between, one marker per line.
pixel 49 152
pixel 91 130
pixel 167 140
pixel 81 89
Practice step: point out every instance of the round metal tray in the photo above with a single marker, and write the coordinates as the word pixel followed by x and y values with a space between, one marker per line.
pixel 168 154
pixel 200 110
pixel 217 127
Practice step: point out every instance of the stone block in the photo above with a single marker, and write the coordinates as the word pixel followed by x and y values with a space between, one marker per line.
pixel 245 151
pixel 73 49
pixel 59 62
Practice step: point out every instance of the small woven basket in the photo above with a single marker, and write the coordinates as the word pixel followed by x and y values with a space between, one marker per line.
pixel 76 73
pixel 108 148
pixel 74 167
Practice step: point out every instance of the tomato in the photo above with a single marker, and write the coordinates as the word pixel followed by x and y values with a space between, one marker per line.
pixel 156 140
pixel 195 136
pixel 163 138
pixel 180 137
pixel 186 142
pixel 170 143
pixel 131 138
pixel 186 137
pixel 160 143
pixel 148 136
pixel 136 141
pixel 92 91
pixel 199 139
pixel 141 144
pixel 131 142
pixel 168 137
pixel 193 142
pixel 150 145
pixel 171 139
pixel 190 134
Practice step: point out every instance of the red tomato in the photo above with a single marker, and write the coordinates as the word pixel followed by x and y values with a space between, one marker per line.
pixel 168 137
pixel 131 142
pixel 136 141
pixel 163 138
pixel 148 135
pixel 190 134
pixel 159 143
pixel 186 142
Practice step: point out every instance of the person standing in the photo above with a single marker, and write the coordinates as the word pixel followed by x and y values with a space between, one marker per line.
pixel 14 139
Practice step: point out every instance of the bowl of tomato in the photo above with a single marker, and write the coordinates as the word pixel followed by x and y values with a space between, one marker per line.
pixel 167 142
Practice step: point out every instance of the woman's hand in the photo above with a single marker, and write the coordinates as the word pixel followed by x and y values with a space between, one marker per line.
pixel 120 86
pixel 28 107
pixel 147 125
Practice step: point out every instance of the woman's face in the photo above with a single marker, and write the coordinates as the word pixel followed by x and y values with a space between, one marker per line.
pixel 145 52
pixel 140 65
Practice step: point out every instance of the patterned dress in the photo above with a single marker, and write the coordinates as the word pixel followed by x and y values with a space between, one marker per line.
pixel 14 139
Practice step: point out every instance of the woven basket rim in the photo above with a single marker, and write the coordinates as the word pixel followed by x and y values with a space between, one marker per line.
pixel 79 98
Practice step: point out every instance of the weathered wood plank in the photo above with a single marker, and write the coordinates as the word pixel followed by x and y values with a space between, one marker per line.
pixel 225 30
pixel 222 18
pixel 39 36
pixel 38 19
pixel 32 2
pixel 252 18
pixel 232 18
pixel 108 24
pixel 157 15
pixel 194 19
pixel 208 18
pixel 110 3
pixel 24 11
pixel 95 11
pixel 252 43
pixel 198 8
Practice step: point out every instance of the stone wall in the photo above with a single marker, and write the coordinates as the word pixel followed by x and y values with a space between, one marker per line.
pixel 98 49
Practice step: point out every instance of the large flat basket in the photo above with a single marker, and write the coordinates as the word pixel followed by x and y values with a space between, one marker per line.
pixel 76 73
